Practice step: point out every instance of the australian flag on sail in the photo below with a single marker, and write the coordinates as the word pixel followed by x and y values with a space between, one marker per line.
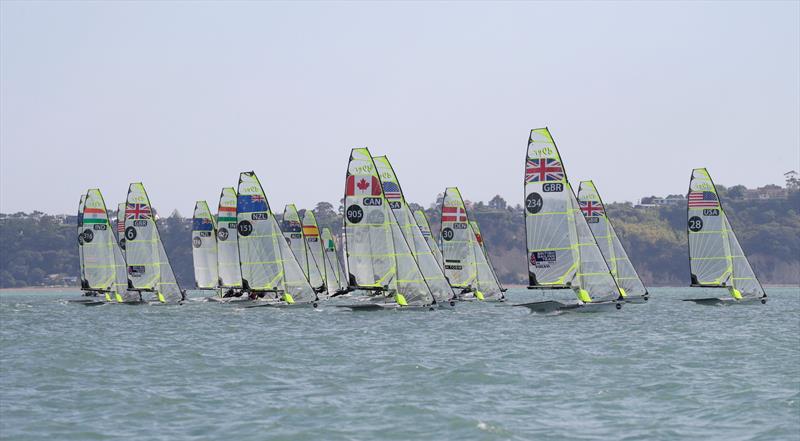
pixel 703 199
pixel 391 190
pixel 201 224
pixel 543 170
pixel 137 211
pixel 249 203
pixel 591 208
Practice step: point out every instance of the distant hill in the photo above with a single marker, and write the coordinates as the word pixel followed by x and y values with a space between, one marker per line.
pixel 40 249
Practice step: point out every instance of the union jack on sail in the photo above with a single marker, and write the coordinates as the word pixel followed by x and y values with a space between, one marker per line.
pixel 591 208
pixel 543 170
pixel 137 211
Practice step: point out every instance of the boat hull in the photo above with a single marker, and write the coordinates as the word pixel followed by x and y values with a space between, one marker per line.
pixel 722 301
pixel 635 300
pixel 551 306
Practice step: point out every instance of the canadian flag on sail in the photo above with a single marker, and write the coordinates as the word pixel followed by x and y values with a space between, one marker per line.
pixel 367 185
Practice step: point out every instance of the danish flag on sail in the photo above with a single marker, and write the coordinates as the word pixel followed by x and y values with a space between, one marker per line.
pixel 453 214
pixel 362 185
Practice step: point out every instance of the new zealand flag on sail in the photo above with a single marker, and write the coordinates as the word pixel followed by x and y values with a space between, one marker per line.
pixel 249 203
pixel 200 224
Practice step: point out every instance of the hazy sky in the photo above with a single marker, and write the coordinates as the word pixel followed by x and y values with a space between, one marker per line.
pixel 184 96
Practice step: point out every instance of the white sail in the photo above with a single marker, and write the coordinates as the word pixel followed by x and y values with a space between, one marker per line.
pixel 336 280
pixel 561 248
pixel 715 256
pixel 147 262
pixel 230 273
pixel 593 209
pixel 431 271
pixel 121 269
pixel 425 228
pixel 82 201
pixel 378 256
pixel 267 262
pixel 98 244
pixel 292 228
pixel 316 252
pixel 457 242
pixel 479 238
pixel 204 247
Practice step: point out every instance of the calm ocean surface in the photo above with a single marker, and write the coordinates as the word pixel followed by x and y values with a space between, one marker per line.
pixel 659 371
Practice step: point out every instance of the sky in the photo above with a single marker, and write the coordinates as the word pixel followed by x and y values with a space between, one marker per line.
pixel 183 96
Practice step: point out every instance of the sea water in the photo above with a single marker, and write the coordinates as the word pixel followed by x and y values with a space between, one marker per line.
pixel 659 371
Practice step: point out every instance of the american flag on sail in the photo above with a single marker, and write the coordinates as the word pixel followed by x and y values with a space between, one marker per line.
pixel 453 214
pixel 703 199
pixel 591 208
pixel 121 223
pixel 138 211
pixel 391 190
pixel 543 170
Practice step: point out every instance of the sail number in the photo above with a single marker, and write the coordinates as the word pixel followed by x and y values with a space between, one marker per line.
pixel 533 203
pixel 711 212
pixel 553 187
pixel 244 228
pixel 695 224
pixel 130 234
pixel 222 234
pixel 354 214
pixel 447 234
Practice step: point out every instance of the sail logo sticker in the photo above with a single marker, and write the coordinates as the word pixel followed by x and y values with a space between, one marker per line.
pixel 546 151
pixel 136 270
pixel 542 259
pixel 365 169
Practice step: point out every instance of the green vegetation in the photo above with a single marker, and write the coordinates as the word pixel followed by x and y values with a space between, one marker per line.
pixel 39 249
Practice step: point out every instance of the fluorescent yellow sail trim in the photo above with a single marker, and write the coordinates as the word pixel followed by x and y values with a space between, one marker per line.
pixel 622 292
pixel 479 295
pixel 288 298
pixel 119 298
pixel 161 298
pixel 400 299
pixel 735 293
pixel 583 296
pixel 108 297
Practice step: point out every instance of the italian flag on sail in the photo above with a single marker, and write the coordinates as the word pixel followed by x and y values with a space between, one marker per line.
pixel 227 214
pixel 94 216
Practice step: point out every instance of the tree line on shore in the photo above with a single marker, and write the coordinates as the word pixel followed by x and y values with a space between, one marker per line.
pixel 42 250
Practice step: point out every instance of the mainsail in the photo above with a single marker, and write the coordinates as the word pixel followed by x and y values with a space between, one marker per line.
pixel 425 228
pixel 268 264
pixel 378 256
pixel 98 245
pixel 121 280
pixel 434 276
pixel 84 286
pixel 147 262
pixel 204 247
pixel 715 256
pixel 591 204
pixel 333 269
pixel 230 273
pixel 465 263
pixel 562 253
pixel 479 238
pixel 294 232
pixel 316 250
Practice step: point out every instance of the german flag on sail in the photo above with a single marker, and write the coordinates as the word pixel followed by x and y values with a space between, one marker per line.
pixel 310 231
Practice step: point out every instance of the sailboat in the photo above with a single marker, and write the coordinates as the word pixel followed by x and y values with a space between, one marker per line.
pixel 562 253
pixel 465 263
pixel 293 231
pixel 147 263
pixel 331 272
pixel 431 271
pixel 425 229
pixel 228 268
pixel 715 256
pixel 124 295
pixel 87 292
pixel 593 209
pixel 270 269
pixel 479 238
pixel 334 275
pixel 204 248
pixel 379 260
